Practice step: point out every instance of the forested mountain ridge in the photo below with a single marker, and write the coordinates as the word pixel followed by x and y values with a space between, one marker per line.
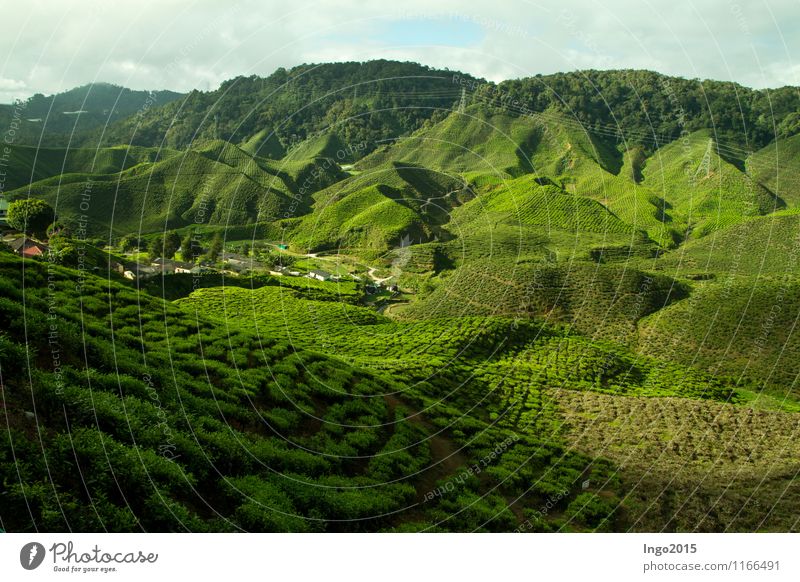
pixel 377 100
pixel 64 118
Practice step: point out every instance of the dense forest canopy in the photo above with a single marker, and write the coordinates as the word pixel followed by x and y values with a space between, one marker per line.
pixel 374 101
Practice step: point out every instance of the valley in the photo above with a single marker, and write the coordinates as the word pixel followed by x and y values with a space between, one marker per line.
pixel 365 300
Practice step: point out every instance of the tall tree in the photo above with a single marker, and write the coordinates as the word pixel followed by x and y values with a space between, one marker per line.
pixel 190 248
pixel 31 216
pixel 129 242
pixel 156 248
pixel 172 242
pixel 215 248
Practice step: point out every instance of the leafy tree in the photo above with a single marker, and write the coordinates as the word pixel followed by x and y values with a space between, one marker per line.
pixel 164 246
pixel 31 216
pixel 215 248
pixel 172 242
pixel 278 260
pixel 190 248
pixel 790 125
pixel 129 242
pixel 155 248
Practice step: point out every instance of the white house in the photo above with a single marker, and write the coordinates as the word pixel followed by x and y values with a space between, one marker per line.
pixel 319 275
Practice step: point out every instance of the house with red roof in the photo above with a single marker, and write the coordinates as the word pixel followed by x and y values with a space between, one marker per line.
pixel 27 247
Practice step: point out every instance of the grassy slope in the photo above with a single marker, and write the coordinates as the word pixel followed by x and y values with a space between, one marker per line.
pixel 30 164
pixel 493 147
pixel 189 424
pixel 739 326
pixel 475 141
pixel 371 212
pixel 776 166
pixel 701 189
pixel 487 141
pixel 217 184
pixel 534 378
pixel 523 201
pixel 598 300
pixel 764 245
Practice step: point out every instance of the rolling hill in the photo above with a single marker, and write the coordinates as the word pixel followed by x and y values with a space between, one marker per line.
pixel 216 184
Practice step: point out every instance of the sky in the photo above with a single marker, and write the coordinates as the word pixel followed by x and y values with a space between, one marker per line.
pixel 50 46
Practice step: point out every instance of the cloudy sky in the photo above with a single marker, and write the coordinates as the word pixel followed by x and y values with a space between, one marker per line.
pixel 50 46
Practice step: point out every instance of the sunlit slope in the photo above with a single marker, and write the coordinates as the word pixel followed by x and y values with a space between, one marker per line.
pixel 739 326
pixel 488 140
pixel 702 190
pixel 766 245
pixel 31 164
pixel 218 184
pixel 379 209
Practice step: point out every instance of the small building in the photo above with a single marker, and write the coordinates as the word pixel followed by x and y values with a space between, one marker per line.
pixel 27 247
pixel 129 275
pixel 169 266
pixel 319 275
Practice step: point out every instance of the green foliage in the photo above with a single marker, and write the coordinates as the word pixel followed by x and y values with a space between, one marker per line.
pixel 31 215
pixel 100 104
pixel 215 248
pixel 129 242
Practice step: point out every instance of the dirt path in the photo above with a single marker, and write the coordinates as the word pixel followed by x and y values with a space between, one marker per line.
pixel 387 310
pixel 371 274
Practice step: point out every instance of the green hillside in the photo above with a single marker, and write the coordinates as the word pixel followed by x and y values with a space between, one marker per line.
pixel 31 164
pixel 524 201
pixel 67 118
pixel 362 102
pixel 764 245
pixel 598 300
pixel 274 438
pixel 702 191
pixel 376 210
pixel 475 141
pixel 776 166
pixel 738 326
pixel 528 376
pixel 217 184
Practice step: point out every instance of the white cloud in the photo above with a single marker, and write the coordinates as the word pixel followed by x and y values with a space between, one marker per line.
pixel 180 45
pixel 12 89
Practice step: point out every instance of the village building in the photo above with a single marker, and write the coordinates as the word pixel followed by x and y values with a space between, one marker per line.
pixel 27 247
pixel 319 275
